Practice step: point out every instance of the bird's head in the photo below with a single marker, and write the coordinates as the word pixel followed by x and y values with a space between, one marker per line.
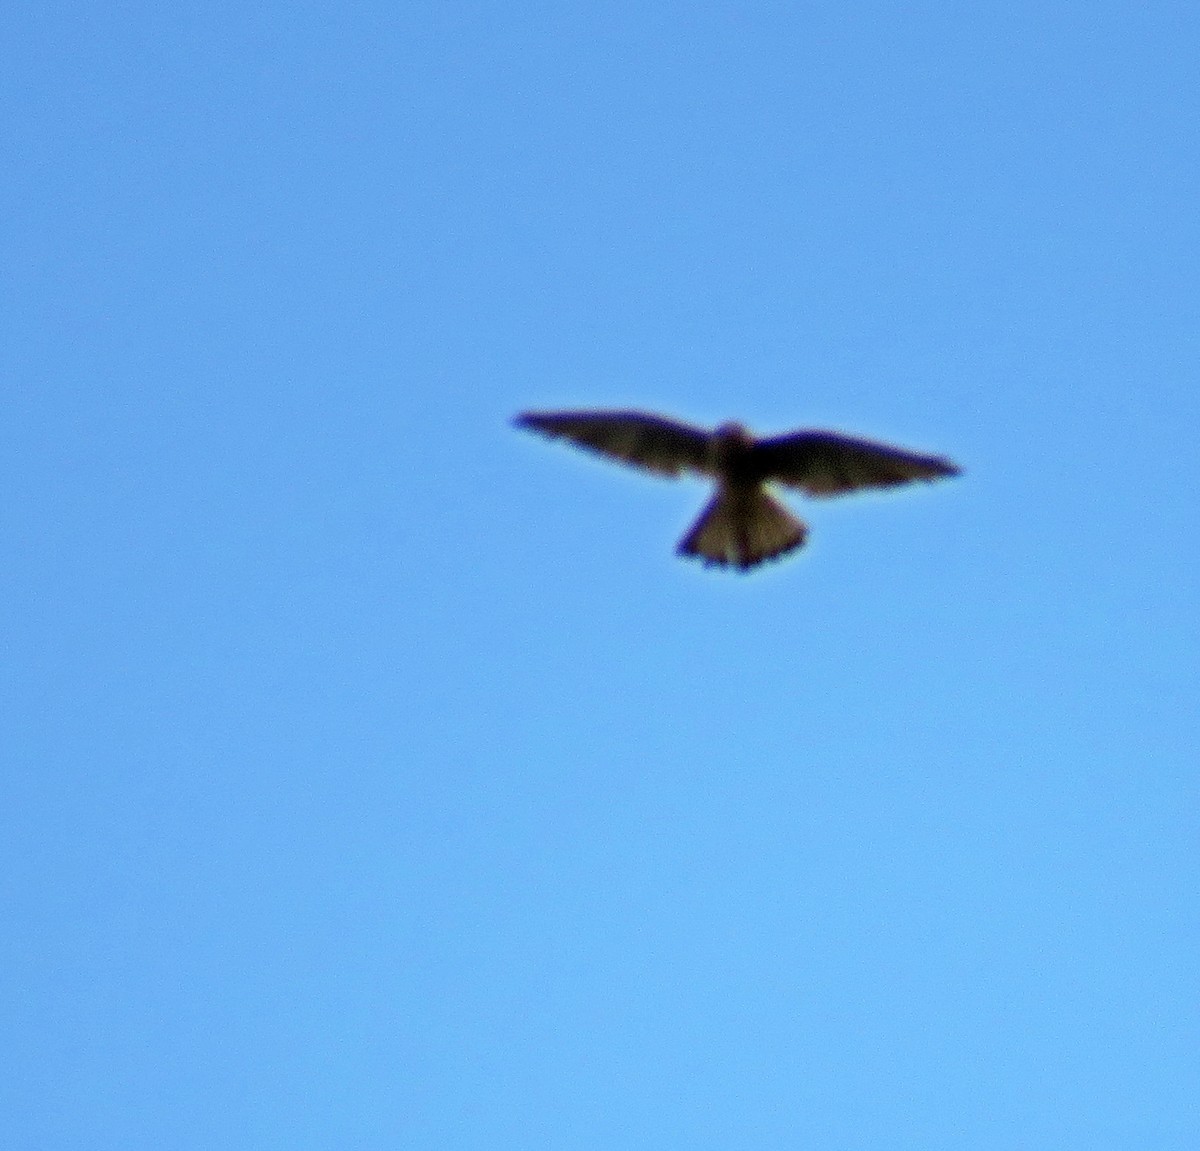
pixel 731 443
pixel 732 433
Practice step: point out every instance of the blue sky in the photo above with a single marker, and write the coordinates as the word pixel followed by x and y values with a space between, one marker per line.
pixel 375 776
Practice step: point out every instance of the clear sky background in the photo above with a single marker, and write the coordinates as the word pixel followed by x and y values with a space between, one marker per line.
pixel 374 774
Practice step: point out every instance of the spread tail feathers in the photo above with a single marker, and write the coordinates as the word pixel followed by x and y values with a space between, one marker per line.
pixel 742 527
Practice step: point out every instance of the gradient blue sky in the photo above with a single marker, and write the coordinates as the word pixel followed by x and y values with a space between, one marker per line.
pixel 374 774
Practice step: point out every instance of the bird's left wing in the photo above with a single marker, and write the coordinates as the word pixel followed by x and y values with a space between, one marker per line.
pixel 646 441
pixel 830 464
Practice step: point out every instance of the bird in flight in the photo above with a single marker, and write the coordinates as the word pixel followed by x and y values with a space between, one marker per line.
pixel 743 524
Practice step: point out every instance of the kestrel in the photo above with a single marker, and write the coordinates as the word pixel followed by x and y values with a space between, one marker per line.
pixel 742 524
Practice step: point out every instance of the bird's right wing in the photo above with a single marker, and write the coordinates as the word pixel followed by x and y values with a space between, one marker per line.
pixel 646 441
pixel 829 463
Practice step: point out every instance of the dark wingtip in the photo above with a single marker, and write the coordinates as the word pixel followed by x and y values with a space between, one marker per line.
pixel 531 422
pixel 543 422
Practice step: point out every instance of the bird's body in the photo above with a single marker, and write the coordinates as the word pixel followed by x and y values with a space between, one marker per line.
pixel 731 449
pixel 742 525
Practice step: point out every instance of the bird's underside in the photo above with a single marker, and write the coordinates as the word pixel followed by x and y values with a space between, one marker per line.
pixel 743 525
